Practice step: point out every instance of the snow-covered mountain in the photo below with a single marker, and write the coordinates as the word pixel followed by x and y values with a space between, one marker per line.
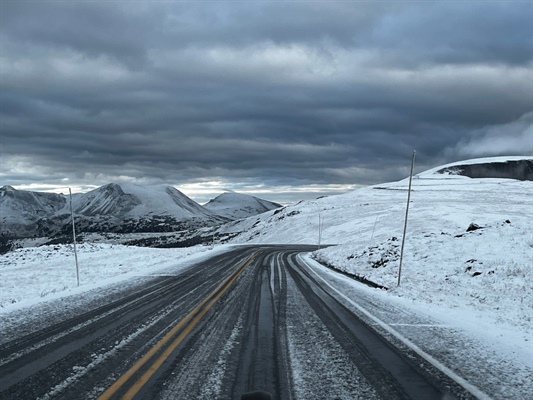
pixel 114 207
pixel 23 206
pixel 237 205
pixel 22 212
pixel 127 200
pixel 119 208
pixel 126 208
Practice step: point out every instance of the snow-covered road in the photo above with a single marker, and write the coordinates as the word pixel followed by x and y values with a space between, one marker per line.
pixel 287 325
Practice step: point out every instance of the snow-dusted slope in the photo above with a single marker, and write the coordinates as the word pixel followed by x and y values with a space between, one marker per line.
pixel 439 201
pixel 237 206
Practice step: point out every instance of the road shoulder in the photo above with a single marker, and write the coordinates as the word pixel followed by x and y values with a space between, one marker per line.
pixel 486 361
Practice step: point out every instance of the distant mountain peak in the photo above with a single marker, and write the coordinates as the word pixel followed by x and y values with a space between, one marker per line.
pixel 237 205
pixel 7 188
pixel 109 199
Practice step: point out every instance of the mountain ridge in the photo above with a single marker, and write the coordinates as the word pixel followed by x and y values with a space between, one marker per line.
pixel 114 207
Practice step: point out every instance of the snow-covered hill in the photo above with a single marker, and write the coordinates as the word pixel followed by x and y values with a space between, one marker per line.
pixel 439 201
pixel 237 206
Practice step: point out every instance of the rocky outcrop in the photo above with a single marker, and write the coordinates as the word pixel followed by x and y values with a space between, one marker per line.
pixel 513 169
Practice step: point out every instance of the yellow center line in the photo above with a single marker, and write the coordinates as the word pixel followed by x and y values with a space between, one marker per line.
pixel 187 324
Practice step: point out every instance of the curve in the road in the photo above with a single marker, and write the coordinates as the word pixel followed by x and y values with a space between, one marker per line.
pixel 222 328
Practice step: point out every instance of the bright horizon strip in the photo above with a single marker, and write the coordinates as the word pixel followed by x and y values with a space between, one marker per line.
pixel 202 193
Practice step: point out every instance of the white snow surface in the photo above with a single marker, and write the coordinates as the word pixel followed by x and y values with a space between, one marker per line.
pixel 36 274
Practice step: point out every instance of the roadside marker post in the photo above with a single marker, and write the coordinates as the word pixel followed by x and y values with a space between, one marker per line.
pixel 319 230
pixel 74 238
pixel 406 216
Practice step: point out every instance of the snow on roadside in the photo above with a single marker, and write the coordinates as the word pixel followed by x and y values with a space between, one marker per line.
pixel 480 281
pixel 36 274
pixel 488 269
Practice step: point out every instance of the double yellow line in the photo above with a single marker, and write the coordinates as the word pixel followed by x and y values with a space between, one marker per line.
pixel 184 327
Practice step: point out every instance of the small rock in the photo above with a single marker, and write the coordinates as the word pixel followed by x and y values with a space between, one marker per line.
pixel 477 273
pixel 473 227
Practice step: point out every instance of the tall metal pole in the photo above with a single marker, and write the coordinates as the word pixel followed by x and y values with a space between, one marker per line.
pixel 406 215
pixel 74 238
pixel 373 229
pixel 319 230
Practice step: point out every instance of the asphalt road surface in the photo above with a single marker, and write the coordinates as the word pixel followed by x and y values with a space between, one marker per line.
pixel 255 318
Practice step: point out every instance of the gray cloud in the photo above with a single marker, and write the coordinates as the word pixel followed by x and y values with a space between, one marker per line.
pixel 257 95
pixel 514 138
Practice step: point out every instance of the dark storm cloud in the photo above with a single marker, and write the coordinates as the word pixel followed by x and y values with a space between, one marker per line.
pixel 91 28
pixel 448 32
pixel 268 93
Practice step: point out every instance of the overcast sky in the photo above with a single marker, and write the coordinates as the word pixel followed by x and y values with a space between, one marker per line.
pixel 285 100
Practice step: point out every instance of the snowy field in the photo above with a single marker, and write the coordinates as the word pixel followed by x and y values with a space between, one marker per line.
pixel 35 274
pixel 487 271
